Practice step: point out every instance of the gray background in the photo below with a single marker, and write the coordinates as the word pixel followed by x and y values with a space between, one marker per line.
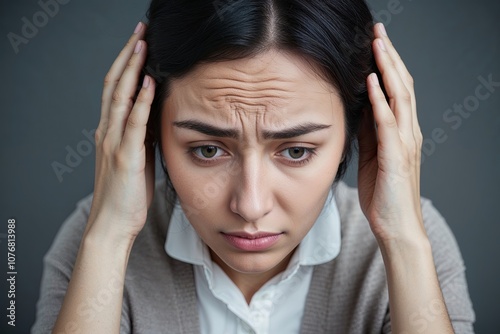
pixel 51 92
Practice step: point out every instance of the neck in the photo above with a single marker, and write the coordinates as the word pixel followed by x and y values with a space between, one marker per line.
pixel 250 283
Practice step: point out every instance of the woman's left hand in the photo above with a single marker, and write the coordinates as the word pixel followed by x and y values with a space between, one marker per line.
pixel 389 192
pixel 390 144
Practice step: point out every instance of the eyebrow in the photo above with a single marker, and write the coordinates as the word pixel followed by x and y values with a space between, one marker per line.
pixel 211 130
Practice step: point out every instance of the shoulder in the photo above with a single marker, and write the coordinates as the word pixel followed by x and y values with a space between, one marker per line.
pixel 356 231
pixel 66 243
pixel 354 221
pixel 166 279
pixel 360 255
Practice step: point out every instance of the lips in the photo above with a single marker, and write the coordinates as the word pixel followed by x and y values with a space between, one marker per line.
pixel 252 242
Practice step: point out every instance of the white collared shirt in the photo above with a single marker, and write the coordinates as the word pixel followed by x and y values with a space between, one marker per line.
pixel 278 306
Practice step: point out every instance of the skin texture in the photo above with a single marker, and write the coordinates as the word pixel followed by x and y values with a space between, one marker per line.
pixel 252 184
pixel 257 95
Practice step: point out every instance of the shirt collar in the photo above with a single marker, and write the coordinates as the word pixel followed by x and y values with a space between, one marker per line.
pixel 320 245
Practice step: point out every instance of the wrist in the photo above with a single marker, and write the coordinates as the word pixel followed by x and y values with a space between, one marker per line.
pixel 413 284
pixel 107 233
pixel 407 257
pixel 405 247
pixel 400 233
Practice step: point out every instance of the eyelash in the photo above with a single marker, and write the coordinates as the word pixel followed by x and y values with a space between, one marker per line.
pixel 310 152
pixel 205 161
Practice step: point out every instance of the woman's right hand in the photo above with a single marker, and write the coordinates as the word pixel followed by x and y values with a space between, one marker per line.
pixel 123 190
pixel 124 174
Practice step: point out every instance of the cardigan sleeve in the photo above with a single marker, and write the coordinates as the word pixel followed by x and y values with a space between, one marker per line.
pixel 450 269
pixel 58 265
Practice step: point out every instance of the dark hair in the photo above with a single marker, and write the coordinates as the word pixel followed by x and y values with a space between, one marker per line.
pixel 333 35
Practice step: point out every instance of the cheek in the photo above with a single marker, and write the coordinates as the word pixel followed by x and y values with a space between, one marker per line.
pixel 179 174
pixel 196 190
pixel 303 200
pixel 174 158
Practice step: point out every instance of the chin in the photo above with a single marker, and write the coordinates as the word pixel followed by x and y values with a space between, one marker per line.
pixel 252 262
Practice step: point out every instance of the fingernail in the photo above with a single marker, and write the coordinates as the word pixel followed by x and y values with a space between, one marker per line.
pixel 138 28
pixel 145 83
pixel 138 47
pixel 381 44
pixel 375 79
pixel 382 29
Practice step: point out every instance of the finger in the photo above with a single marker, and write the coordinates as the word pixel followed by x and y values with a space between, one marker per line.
pixel 388 137
pixel 114 74
pixel 134 135
pixel 380 32
pixel 124 94
pixel 399 96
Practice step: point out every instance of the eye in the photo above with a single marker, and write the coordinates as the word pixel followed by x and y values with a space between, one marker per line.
pixel 298 156
pixel 206 153
pixel 295 152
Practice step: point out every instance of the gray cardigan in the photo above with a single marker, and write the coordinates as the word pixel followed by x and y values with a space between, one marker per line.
pixel 346 295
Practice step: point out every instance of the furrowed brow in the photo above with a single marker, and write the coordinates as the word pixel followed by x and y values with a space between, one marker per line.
pixel 211 130
pixel 208 129
pixel 295 131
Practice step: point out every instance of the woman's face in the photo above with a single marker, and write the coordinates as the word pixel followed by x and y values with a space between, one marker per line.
pixel 252 147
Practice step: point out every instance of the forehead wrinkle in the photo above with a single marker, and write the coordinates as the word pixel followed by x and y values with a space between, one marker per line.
pixel 263 72
pixel 271 92
pixel 231 98
pixel 216 81
pixel 232 103
pixel 229 101
pixel 268 88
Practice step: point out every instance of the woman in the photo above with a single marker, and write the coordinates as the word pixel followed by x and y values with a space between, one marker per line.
pixel 254 106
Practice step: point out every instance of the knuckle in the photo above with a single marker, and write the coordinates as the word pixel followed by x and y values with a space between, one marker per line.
pixel 414 149
pixel 116 96
pixel 98 134
pixel 390 62
pixel 131 62
pixel 406 96
pixel 144 97
pixel 109 79
pixel 133 122
pixel 119 99
pixel 119 160
pixel 390 121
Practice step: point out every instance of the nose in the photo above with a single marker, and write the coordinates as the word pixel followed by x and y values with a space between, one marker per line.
pixel 251 196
